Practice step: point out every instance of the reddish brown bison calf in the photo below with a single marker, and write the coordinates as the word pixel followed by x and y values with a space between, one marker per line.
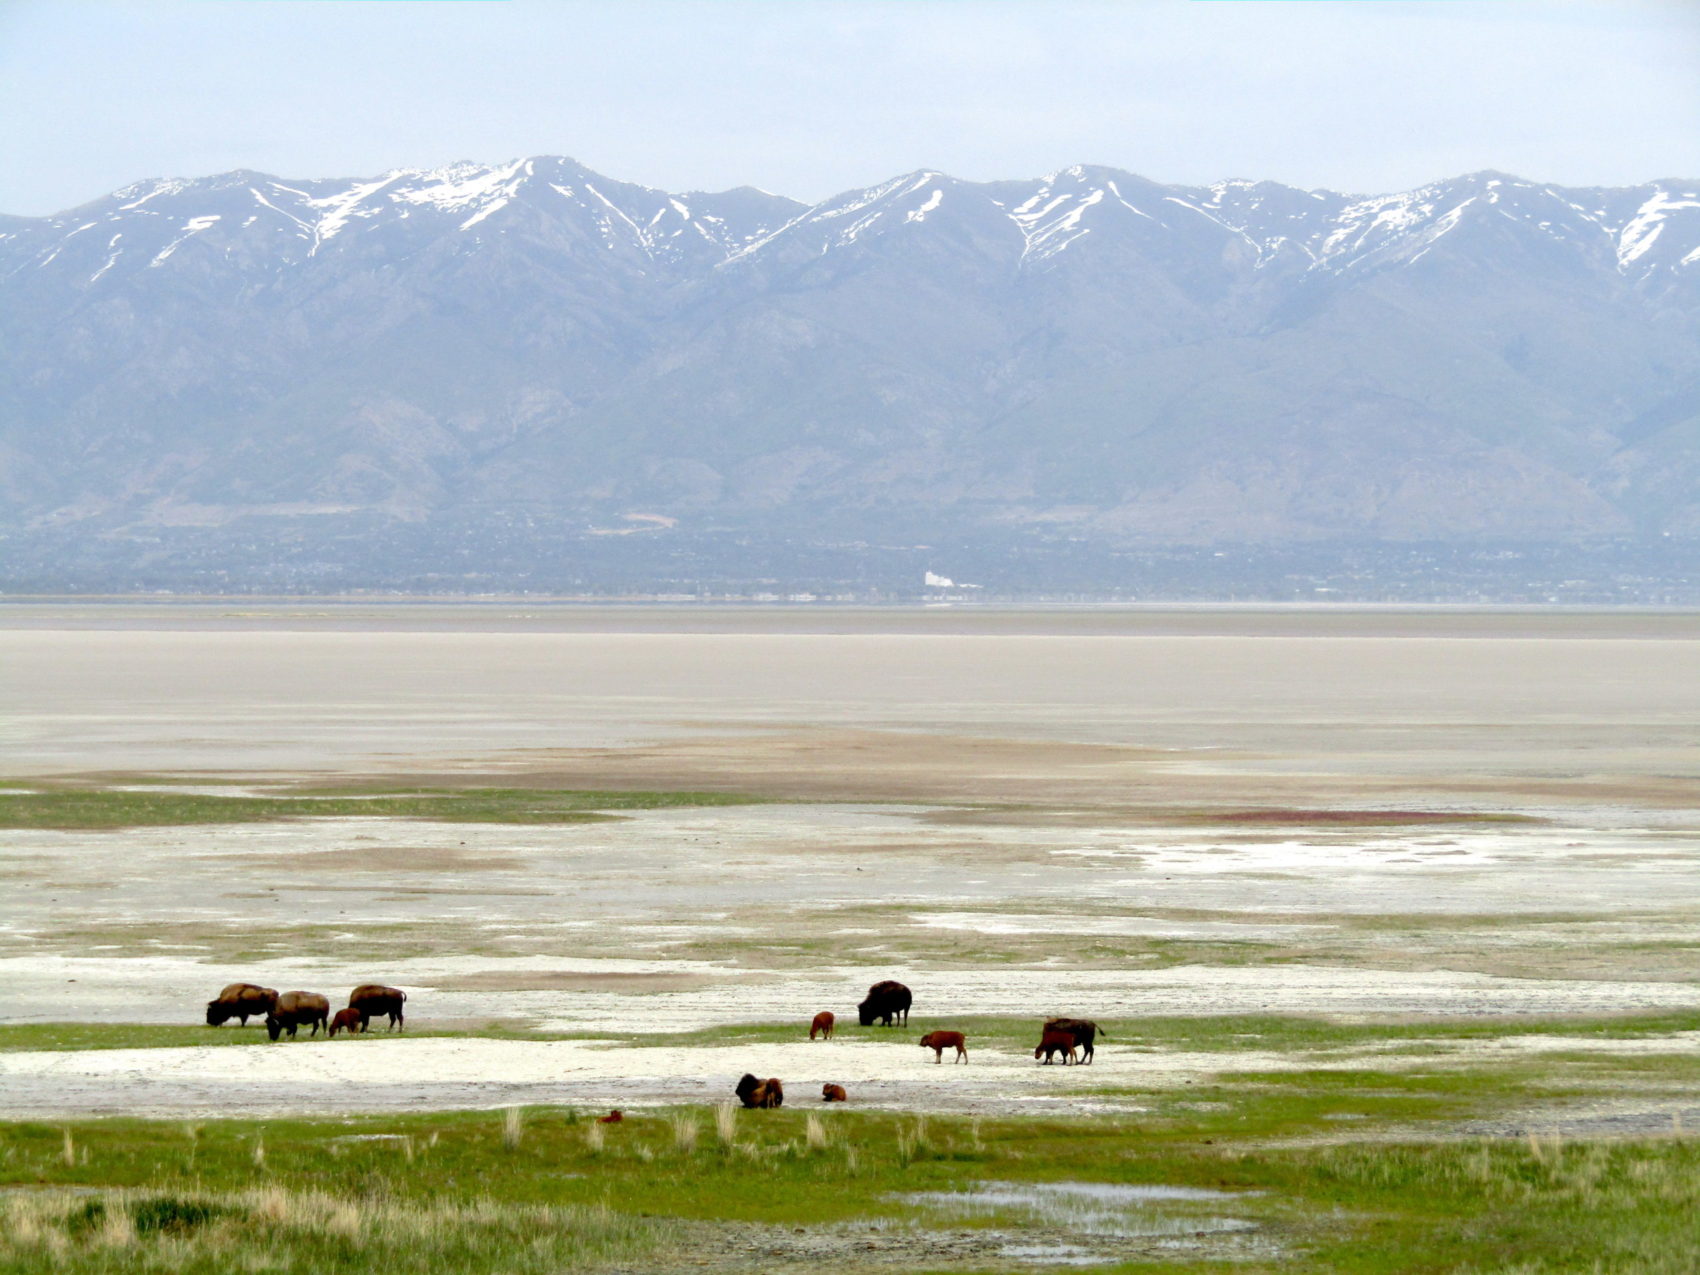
pixel 938 1042
pixel 1084 1031
pixel 760 1093
pixel 373 1000
pixel 295 1008
pixel 613 1117
pixel 1054 1042
pixel 345 1020
pixel 833 1093
pixel 240 1000
pixel 822 1026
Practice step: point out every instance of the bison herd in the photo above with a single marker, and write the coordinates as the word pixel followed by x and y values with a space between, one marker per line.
pixel 292 1010
pixel 887 1003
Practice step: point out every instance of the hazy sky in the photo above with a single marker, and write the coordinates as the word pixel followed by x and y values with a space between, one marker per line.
pixel 810 97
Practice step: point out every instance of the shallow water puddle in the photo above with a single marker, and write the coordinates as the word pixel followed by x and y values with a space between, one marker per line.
pixel 1084 1211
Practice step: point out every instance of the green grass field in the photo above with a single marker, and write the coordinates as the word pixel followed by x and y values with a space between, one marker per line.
pixel 1288 1034
pixel 108 808
pixel 549 1190
pixel 1359 1169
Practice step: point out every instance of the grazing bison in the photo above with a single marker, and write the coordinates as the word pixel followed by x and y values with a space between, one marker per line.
pixel 886 1001
pixel 373 1000
pixel 938 1042
pixel 1053 1042
pixel 345 1018
pixel 760 1093
pixel 295 1008
pixel 833 1093
pixel 1085 1032
pixel 240 1000
pixel 822 1025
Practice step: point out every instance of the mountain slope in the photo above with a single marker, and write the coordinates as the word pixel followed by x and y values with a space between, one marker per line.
pixel 1089 355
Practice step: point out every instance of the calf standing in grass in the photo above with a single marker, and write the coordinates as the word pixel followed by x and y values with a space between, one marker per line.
pixel 346 1020
pixel 822 1025
pixel 938 1042
pixel 1056 1042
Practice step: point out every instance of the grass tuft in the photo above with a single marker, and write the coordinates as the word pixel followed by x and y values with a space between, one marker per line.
pixel 685 1132
pixel 814 1132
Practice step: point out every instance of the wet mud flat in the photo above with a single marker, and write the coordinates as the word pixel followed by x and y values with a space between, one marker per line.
pixel 1384 824
pixel 708 920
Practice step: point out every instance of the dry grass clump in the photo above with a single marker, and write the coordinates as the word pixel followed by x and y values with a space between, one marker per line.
pixel 814 1132
pixel 141 1231
pixel 726 1123
pixel 685 1133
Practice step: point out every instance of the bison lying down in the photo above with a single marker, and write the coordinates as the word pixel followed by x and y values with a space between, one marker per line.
pixel 345 1020
pixel 240 1000
pixel 760 1093
pixel 833 1093
pixel 938 1042
pixel 295 1008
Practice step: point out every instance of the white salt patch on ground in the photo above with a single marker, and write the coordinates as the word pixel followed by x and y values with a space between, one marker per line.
pixel 170 988
pixel 391 1072
pixel 1146 926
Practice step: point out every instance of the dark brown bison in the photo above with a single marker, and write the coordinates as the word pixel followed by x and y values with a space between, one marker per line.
pixel 938 1042
pixel 760 1093
pixel 886 1001
pixel 1056 1042
pixel 833 1093
pixel 374 1000
pixel 295 1008
pixel 240 1000
pixel 822 1026
pixel 346 1019
pixel 1085 1032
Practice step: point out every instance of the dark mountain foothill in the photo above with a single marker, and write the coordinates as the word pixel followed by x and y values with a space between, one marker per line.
pixel 528 376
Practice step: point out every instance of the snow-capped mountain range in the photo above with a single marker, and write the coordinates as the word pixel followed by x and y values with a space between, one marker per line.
pixel 1648 230
pixel 1089 353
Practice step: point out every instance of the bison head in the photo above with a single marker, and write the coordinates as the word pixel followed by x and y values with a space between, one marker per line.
pixel 217 1012
pixel 274 1026
pixel 866 1012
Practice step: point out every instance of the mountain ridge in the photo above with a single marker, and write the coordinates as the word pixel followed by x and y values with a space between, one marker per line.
pixel 1088 355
